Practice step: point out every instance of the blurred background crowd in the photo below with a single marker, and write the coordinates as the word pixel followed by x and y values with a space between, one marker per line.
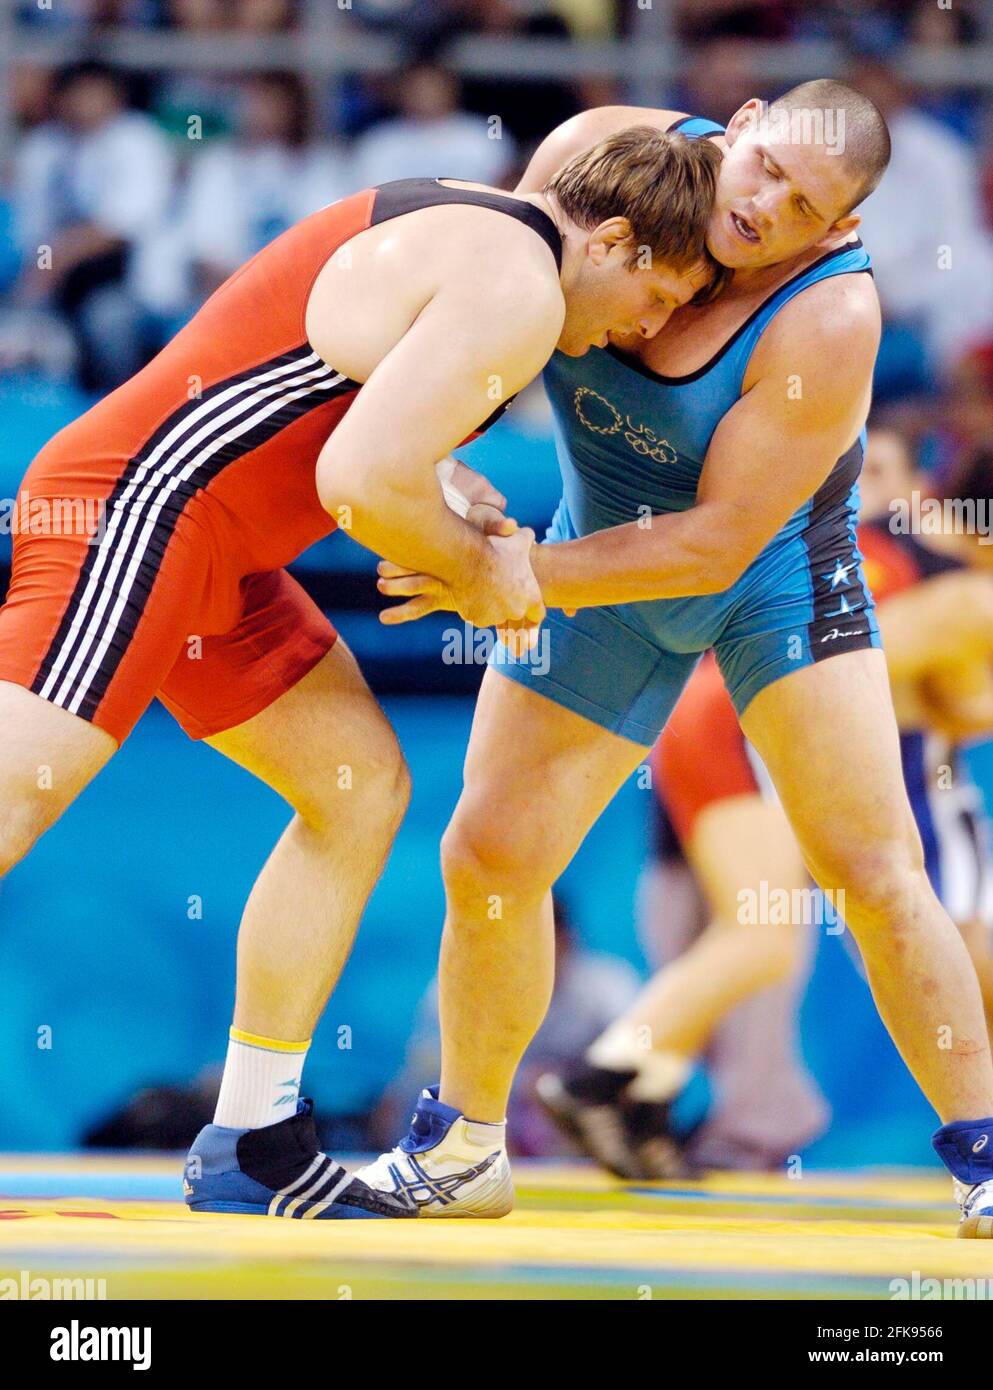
pixel 147 149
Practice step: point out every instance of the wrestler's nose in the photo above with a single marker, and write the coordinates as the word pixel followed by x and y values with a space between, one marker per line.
pixel 651 323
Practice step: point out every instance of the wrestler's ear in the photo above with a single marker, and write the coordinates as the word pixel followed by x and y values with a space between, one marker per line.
pixel 616 231
pixel 745 118
pixel 844 226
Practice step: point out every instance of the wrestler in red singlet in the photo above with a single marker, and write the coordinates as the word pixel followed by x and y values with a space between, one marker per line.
pixel 202 468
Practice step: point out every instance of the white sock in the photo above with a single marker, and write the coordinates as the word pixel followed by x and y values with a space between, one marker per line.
pixel 261 1082
pixel 661 1075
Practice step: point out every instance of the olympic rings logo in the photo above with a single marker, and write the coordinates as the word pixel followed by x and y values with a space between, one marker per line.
pixel 638 437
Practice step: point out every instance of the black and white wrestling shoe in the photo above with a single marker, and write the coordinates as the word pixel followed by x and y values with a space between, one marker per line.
pixel 279 1171
pixel 631 1139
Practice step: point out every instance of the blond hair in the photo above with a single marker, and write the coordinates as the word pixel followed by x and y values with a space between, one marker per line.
pixel 663 183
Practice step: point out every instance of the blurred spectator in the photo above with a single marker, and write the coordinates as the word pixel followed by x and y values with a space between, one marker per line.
pixel 71 14
pixel 29 95
pixel 589 19
pixel 88 185
pixel 29 100
pixel 259 16
pixel 420 27
pixel 986 193
pixel 974 484
pixel 245 191
pixel 265 16
pixel 720 79
pixel 529 108
pixel 198 16
pixel 432 137
pixel 968 409
pixel 872 23
pixel 91 14
pixel 940 29
pixel 137 13
pixel 752 19
pixel 932 255
pixel 208 97
pixel 581 19
pixel 591 989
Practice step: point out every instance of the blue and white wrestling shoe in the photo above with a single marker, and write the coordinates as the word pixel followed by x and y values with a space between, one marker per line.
pixel 966 1149
pixel 279 1171
pixel 447 1165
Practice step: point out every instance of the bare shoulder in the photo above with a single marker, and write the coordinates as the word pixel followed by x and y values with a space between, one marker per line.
pixel 587 128
pixel 468 274
pixel 835 323
pixel 601 121
pixel 491 255
pixel 480 251
pixel 839 304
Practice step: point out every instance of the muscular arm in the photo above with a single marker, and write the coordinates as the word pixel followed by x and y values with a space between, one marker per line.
pixel 469 349
pixel 805 397
pixel 582 131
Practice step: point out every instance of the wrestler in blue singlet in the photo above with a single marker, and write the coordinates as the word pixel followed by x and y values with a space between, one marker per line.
pixel 632 443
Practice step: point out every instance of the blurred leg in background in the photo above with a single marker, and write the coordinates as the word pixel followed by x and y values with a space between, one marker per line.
pixel 730 985
pixel 831 727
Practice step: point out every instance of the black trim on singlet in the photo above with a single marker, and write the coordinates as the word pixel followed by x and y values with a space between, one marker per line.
pixel 638 366
pixel 410 195
pixel 829 542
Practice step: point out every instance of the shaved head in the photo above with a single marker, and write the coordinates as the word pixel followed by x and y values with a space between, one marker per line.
pixel 854 123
